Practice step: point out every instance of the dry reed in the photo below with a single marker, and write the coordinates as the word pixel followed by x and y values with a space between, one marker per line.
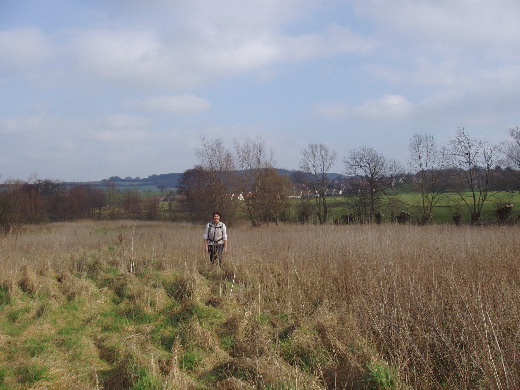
pixel 312 305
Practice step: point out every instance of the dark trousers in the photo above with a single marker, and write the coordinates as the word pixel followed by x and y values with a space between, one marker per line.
pixel 215 253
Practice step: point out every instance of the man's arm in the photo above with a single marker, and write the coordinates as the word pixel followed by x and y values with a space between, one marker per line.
pixel 206 238
pixel 225 238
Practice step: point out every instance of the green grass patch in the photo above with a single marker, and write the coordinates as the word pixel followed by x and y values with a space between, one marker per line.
pixel 112 320
pixel 163 337
pixel 146 381
pixel 191 358
pixel 15 314
pixel 15 320
pixel 5 299
pixel 29 374
pixel 68 343
pixel 102 230
pixel 4 374
pixel 262 319
pixel 135 313
pixel 35 347
pixel 381 376
pixel 132 375
pixel 227 342
pixel 73 306
pixel 206 315
pixel 304 350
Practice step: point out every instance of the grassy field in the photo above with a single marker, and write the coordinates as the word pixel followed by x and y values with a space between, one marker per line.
pixel 135 305
pixel 447 205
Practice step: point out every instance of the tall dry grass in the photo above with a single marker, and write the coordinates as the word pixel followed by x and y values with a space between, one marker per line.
pixel 431 307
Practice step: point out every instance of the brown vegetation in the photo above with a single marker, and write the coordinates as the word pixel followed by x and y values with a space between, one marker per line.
pixel 294 307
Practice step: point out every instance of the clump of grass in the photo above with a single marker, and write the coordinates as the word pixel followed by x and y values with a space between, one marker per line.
pixel 28 282
pixel 75 286
pixel 4 374
pixel 191 358
pixel 304 350
pixel 5 298
pixel 129 373
pixel 381 376
pixel 35 347
pixel 30 374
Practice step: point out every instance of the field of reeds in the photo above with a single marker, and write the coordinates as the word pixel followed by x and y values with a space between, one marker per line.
pixel 135 305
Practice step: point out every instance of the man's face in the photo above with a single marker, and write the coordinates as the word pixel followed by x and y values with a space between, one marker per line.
pixel 216 218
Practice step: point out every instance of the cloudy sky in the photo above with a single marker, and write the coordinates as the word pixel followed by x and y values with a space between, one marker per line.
pixel 96 88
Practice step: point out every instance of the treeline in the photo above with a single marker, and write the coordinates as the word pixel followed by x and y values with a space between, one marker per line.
pixel 245 183
pixel 199 192
pixel 51 201
pixel 467 166
pixel 47 200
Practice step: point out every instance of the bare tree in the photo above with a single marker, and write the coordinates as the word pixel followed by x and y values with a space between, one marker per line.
pixel 252 157
pixel 317 161
pixel 472 160
pixel 52 192
pixel 97 200
pixel 151 208
pixel 77 205
pixel 214 157
pixel 512 148
pixel 219 166
pixel 114 200
pixel 20 203
pixel 377 172
pixel 425 163
pixel 272 194
pixel 252 154
pixel 132 204
pixel 194 187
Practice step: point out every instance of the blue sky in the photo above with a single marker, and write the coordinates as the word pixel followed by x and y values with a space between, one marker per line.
pixel 93 89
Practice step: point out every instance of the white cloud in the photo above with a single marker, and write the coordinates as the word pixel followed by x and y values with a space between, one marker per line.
pixel 126 121
pixel 331 110
pixel 239 56
pixel 187 45
pixel 127 57
pixel 122 128
pixel 23 49
pixel 70 148
pixel 386 107
pixel 178 104
pixel 121 136
pixel 22 125
pixel 442 44
pixel 204 43
pixel 271 48
pixel 335 39
pixel 446 25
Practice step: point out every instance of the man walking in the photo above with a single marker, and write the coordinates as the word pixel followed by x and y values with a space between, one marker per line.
pixel 215 239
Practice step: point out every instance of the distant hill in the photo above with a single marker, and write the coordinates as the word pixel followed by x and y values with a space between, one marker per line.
pixel 170 181
pixel 161 182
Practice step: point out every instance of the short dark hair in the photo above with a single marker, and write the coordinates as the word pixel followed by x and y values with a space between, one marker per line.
pixel 217 213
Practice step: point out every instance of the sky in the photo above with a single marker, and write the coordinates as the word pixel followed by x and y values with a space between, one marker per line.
pixel 91 89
